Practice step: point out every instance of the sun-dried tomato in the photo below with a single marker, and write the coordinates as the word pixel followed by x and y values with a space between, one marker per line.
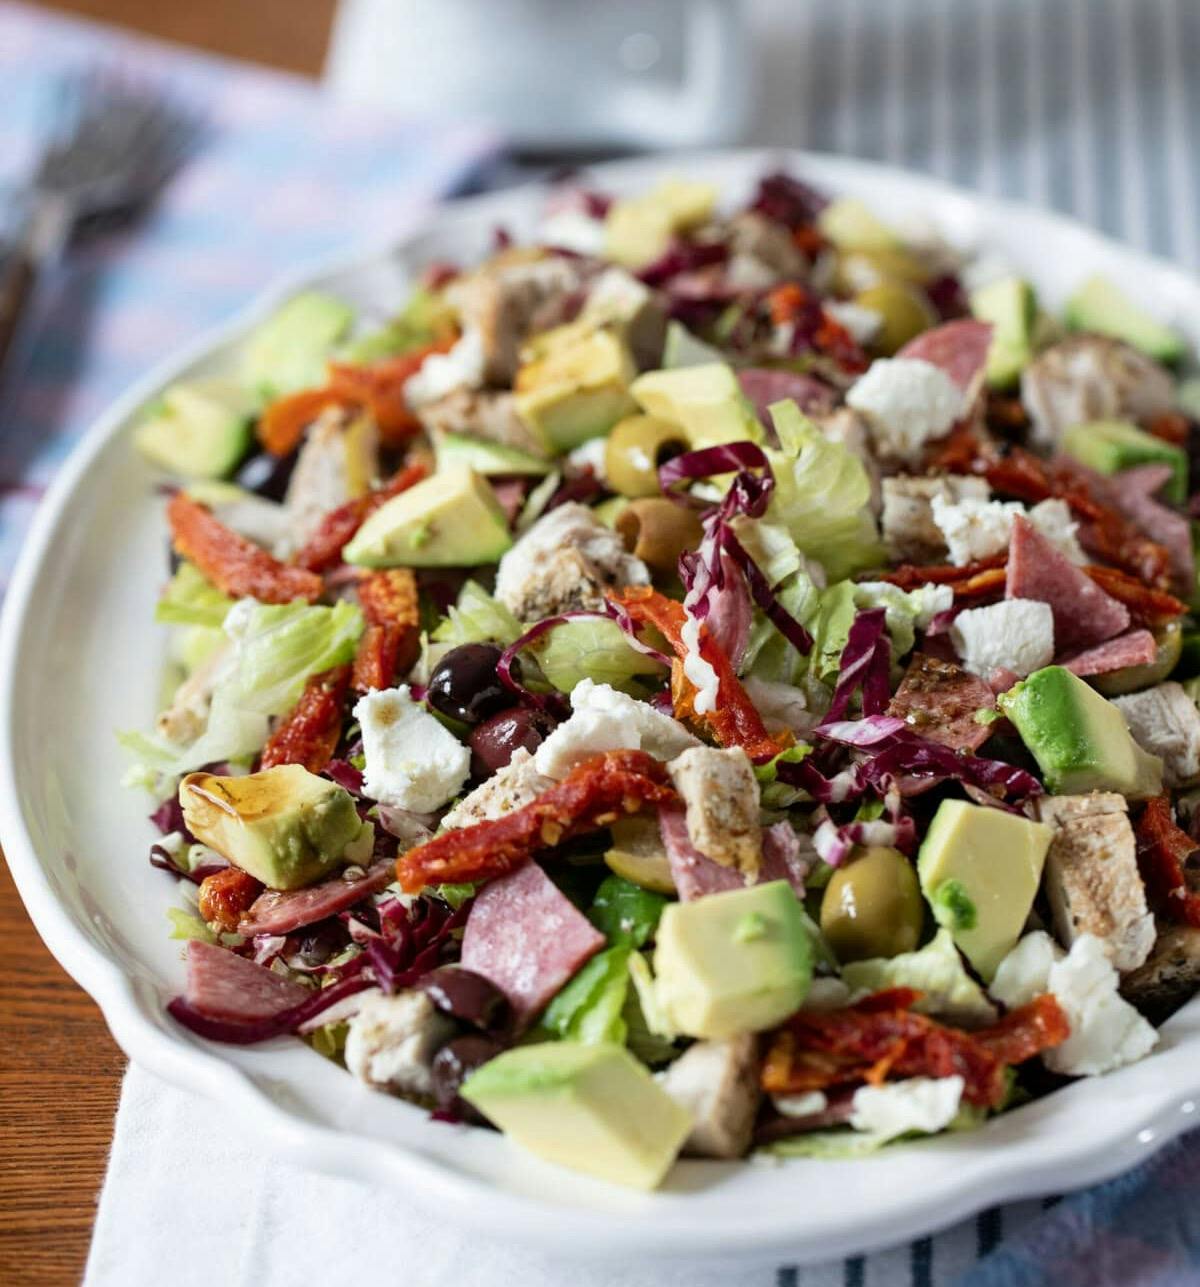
pixel 337 528
pixel 735 720
pixel 379 386
pixel 972 581
pixel 882 1037
pixel 1163 850
pixel 282 424
pixel 1170 426
pixel 594 794
pixel 1147 606
pixel 225 897
pixel 392 640
pixel 309 733
pixel 233 564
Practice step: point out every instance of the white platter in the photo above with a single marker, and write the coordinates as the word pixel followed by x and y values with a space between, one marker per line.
pixel 79 658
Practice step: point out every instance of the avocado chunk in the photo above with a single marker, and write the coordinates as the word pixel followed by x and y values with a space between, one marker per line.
pixel 284 826
pixel 576 387
pixel 1011 306
pixel 638 230
pixel 199 428
pixel 851 225
pixel 706 401
pixel 450 520
pixel 733 962
pixel 979 870
pixel 485 457
pixel 289 350
pixel 1109 446
pixel 637 853
pixel 682 348
pixel 1078 738
pixel 592 1108
pixel 1100 307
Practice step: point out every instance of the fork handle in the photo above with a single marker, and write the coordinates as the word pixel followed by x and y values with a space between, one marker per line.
pixel 41 242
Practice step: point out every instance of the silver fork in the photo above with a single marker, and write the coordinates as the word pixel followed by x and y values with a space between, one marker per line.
pixel 110 146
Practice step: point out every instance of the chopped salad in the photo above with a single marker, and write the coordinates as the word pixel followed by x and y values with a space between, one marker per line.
pixel 695 682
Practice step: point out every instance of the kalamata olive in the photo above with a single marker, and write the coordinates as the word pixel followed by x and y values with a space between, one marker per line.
pixel 494 741
pixel 467 996
pixel 465 685
pixel 872 906
pixel 266 475
pixel 453 1064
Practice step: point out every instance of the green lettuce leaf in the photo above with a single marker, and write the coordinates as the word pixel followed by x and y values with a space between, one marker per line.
pixel 425 318
pixel 188 925
pixel 589 1009
pixel 625 913
pixel 477 618
pixel 936 971
pixel 191 599
pixel 905 610
pixel 592 648
pixel 822 496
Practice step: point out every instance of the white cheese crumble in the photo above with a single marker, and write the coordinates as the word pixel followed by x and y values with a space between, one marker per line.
pixel 605 719
pixel 926 1104
pixel 976 529
pixel 1106 1031
pixel 412 761
pixel 590 454
pixel 862 323
pixel 1014 634
pixel 462 367
pixel 907 402
pixel 573 230
pixel 814 1101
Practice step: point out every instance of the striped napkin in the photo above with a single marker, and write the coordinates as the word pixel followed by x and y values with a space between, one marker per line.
pixel 1085 105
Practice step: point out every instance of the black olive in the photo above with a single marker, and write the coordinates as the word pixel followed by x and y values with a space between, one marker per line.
pixel 495 740
pixel 467 996
pixel 266 475
pixel 453 1064
pixel 465 684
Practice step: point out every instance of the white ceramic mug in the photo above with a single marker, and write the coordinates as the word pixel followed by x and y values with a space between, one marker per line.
pixel 553 74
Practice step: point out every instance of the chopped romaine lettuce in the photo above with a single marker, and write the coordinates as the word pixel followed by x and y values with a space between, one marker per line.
pixel 191 599
pixel 625 913
pixel 477 618
pixel 906 610
pixel 591 648
pixel 589 1009
pixel 822 496
pixel 188 925
pixel 937 972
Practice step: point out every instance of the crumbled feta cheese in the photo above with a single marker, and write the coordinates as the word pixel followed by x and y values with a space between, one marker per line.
pixel 605 719
pixel 926 1104
pixel 590 455
pixel 907 402
pixel 976 529
pixel 441 373
pixel 815 1101
pixel 1106 1031
pixel 862 323
pixel 392 1040
pixel 573 230
pixel 1014 634
pixel 697 669
pixel 412 761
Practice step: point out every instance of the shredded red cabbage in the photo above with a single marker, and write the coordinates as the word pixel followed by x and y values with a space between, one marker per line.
pixel 865 665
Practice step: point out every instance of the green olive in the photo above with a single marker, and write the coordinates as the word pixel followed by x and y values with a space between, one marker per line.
pixel 905 312
pixel 658 531
pixel 855 270
pixel 635 449
pixel 872 906
pixel 637 854
pixel 1129 679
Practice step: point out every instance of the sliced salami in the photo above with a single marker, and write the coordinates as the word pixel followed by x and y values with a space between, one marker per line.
pixel 222 985
pixel 527 938
pixel 959 348
pixel 1083 613
pixel 784 857
pixel 281 911
pixel 940 700
pixel 1136 648
pixel 763 387
pixel 1132 493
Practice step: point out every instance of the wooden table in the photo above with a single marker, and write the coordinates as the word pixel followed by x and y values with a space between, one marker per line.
pixel 60 1071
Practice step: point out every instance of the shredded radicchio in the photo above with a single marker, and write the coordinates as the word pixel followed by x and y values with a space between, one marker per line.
pixel 584 487
pixel 787 200
pixel 345 775
pixel 413 941
pixel 705 570
pixel 683 257
pixel 865 666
